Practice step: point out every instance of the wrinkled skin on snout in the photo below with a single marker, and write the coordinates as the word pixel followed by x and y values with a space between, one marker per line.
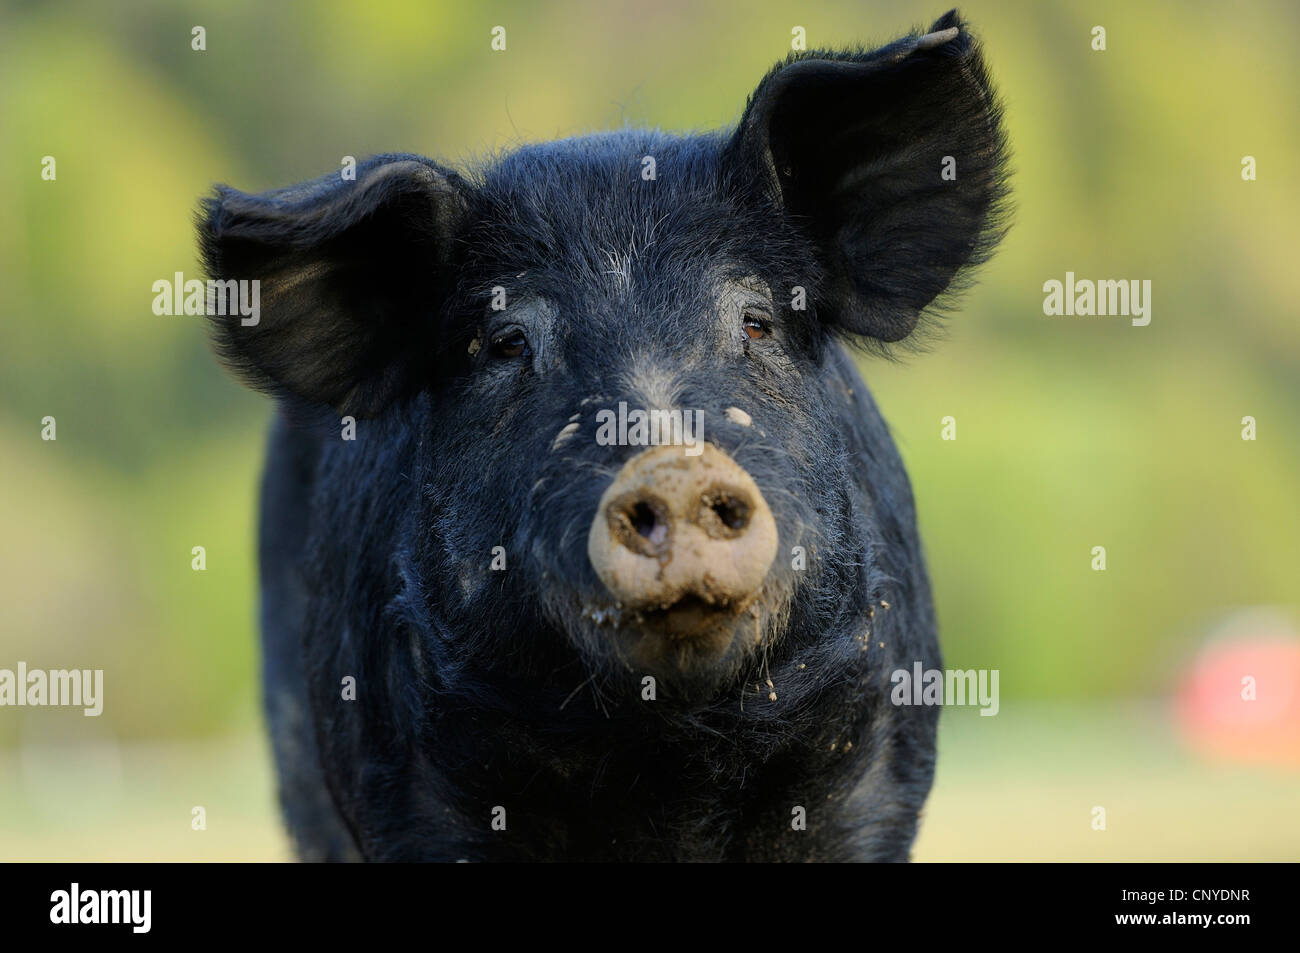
pixel 567 647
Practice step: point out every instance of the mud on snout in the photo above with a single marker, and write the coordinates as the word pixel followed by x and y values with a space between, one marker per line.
pixel 682 545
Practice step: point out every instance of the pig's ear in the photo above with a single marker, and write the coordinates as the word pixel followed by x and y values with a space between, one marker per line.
pixel 892 162
pixel 352 274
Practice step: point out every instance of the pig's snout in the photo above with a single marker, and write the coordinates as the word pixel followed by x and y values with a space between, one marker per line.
pixel 684 540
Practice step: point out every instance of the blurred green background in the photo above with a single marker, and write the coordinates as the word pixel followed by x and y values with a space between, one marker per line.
pixel 1071 432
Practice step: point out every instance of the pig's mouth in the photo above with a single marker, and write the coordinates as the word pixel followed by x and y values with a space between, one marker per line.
pixel 687 637
pixel 689 617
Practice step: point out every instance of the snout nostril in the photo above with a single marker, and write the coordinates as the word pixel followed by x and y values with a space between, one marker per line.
pixel 645 521
pixel 725 512
pixel 734 513
pixel 639 522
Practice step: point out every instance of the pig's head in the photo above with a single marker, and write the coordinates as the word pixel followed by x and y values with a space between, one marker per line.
pixel 615 359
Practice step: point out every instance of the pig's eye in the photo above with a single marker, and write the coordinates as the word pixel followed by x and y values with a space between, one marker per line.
pixel 755 325
pixel 509 343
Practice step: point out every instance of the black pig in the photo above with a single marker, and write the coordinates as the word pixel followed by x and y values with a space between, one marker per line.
pixel 492 631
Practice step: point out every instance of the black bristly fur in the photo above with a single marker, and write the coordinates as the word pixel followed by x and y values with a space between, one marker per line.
pixel 478 689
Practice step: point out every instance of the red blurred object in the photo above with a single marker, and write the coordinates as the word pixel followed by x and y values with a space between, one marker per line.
pixel 1240 700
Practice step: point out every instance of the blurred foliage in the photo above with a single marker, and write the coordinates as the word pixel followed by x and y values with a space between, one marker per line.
pixel 1072 432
